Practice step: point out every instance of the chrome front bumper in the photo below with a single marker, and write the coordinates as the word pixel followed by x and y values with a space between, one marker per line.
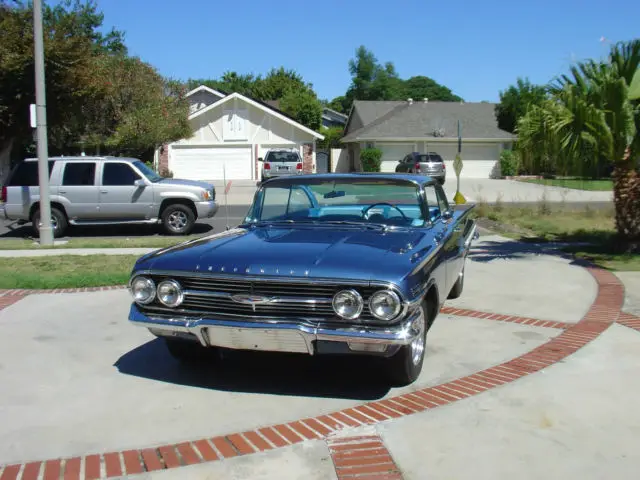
pixel 275 335
pixel 206 209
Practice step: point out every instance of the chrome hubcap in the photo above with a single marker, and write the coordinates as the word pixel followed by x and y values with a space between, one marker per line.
pixel 54 223
pixel 178 220
pixel 417 346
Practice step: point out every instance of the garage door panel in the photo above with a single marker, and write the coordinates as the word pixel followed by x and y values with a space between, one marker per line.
pixel 478 160
pixel 392 154
pixel 211 163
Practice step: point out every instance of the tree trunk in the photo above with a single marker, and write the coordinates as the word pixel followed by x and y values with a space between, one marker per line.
pixel 626 198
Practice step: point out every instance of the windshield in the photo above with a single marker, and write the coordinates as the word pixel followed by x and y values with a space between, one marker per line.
pixel 147 172
pixel 282 157
pixel 368 202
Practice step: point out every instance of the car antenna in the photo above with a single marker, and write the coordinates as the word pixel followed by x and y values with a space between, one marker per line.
pixel 226 203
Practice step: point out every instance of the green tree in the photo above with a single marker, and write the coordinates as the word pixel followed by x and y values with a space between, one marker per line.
pixel 515 101
pixel 304 106
pixel 592 115
pixel 132 108
pixel 339 104
pixel 371 80
pixel 420 87
pixel 332 136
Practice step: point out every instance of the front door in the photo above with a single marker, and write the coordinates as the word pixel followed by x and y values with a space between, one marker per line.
pixel 454 239
pixel 120 198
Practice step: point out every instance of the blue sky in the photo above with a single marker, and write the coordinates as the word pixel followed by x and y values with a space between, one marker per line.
pixel 476 48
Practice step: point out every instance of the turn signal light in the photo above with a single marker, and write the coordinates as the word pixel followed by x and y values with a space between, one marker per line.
pixel 299 166
pixel 267 166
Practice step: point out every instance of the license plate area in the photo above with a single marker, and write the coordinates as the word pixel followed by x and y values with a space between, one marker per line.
pixel 282 167
pixel 260 339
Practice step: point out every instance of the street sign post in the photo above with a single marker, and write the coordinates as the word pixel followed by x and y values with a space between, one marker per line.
pixel 46 233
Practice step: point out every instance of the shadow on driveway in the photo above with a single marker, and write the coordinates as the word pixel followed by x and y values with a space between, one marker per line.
pixel 514 250
pixel 351 377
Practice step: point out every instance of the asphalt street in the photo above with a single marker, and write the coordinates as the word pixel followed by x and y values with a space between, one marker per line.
pixel 10 229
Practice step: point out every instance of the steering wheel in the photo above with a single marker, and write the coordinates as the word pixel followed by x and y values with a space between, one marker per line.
pixel 366 210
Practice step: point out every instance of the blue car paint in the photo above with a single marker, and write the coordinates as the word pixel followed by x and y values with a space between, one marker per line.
pixel 407 257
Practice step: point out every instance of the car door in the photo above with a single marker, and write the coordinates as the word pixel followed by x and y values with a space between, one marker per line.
pixel 453 243
pixel 402 165
pixel 439 231
pixel 78 190
pixel 121 198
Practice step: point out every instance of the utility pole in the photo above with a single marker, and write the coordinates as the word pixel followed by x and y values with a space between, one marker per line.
pixel 46 233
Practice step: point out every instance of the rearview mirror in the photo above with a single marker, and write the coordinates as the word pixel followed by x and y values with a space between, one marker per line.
pixel 447 214
pixel 335 194
pixel 139 183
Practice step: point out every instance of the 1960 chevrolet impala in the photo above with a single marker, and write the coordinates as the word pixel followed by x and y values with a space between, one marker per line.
pixel 322 264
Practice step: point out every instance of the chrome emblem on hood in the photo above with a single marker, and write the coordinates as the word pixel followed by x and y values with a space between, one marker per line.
pixel 249 299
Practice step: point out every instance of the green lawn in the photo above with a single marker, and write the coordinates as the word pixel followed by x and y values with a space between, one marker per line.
pixel 65 271
pixel 544 223
pixel 603 185
pixel 138 242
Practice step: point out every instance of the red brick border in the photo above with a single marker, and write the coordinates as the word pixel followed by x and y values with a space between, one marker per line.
pixel 534 322
pixel 629 320
pixel 362 457
pixel 605 310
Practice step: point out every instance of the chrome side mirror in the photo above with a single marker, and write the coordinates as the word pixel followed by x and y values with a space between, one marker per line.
pixel 447 215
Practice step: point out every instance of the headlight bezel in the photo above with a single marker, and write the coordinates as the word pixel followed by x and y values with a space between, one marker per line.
pixel 356 296
pixel 152 286
pixel 398 304
pixel 179 289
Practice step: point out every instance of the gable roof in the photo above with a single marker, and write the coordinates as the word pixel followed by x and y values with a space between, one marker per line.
pixel 260 105
pixel 334 113
pixel 204 88
pixel 418 120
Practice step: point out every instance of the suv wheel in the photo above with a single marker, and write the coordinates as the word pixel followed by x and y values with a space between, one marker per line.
pixel 58 222
pixel 178 219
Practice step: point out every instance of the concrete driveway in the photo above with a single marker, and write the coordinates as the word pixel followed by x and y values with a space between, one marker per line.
pixel 525 365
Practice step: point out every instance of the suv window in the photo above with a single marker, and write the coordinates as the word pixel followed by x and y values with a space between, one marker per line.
pixel 79 173
pixel 26 174
pixel 118 174
pixel 431 158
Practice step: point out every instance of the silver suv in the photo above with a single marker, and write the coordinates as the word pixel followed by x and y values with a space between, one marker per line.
pixel 281 161
pixel 106 191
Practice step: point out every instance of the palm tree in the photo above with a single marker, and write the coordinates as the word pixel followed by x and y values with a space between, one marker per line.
pixel 591 115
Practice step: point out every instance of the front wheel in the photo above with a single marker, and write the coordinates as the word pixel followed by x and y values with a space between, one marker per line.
pixel 405 366
pixel 178 219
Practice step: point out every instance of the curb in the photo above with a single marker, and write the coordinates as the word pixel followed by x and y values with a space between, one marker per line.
pixel 605 310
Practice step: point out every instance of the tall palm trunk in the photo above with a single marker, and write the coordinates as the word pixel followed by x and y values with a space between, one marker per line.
pixel 626 198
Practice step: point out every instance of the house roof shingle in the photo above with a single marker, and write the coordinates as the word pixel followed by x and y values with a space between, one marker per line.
pixel 400 119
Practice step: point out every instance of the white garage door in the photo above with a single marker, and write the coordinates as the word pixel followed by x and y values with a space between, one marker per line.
pixel 478 159
pixel 213 163
pixel 393 153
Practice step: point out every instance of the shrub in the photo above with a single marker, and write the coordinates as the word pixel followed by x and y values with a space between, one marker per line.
pixel 509 163
pixel 371 159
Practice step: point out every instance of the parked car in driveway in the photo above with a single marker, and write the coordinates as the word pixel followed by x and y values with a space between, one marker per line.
pixel 322 264
pixel 281 161
pixel 106 191
pixel 429 163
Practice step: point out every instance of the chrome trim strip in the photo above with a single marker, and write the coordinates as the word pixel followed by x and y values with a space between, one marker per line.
pixel 268 332
pixel 292 300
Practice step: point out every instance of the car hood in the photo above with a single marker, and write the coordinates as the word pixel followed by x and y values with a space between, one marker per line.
pixel 340 253
pixel 189 183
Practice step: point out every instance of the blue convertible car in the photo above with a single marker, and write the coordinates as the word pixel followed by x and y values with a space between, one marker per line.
pixel 322 264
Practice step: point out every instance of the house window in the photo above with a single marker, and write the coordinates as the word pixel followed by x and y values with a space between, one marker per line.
pixel 234 127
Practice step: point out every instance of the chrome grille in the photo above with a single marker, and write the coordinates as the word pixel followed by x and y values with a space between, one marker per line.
pixel 207 295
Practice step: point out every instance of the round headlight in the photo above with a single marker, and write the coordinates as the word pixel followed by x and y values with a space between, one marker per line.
pixel 143 290
pixel 348 304
pixel 385 304
pixel 170 293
